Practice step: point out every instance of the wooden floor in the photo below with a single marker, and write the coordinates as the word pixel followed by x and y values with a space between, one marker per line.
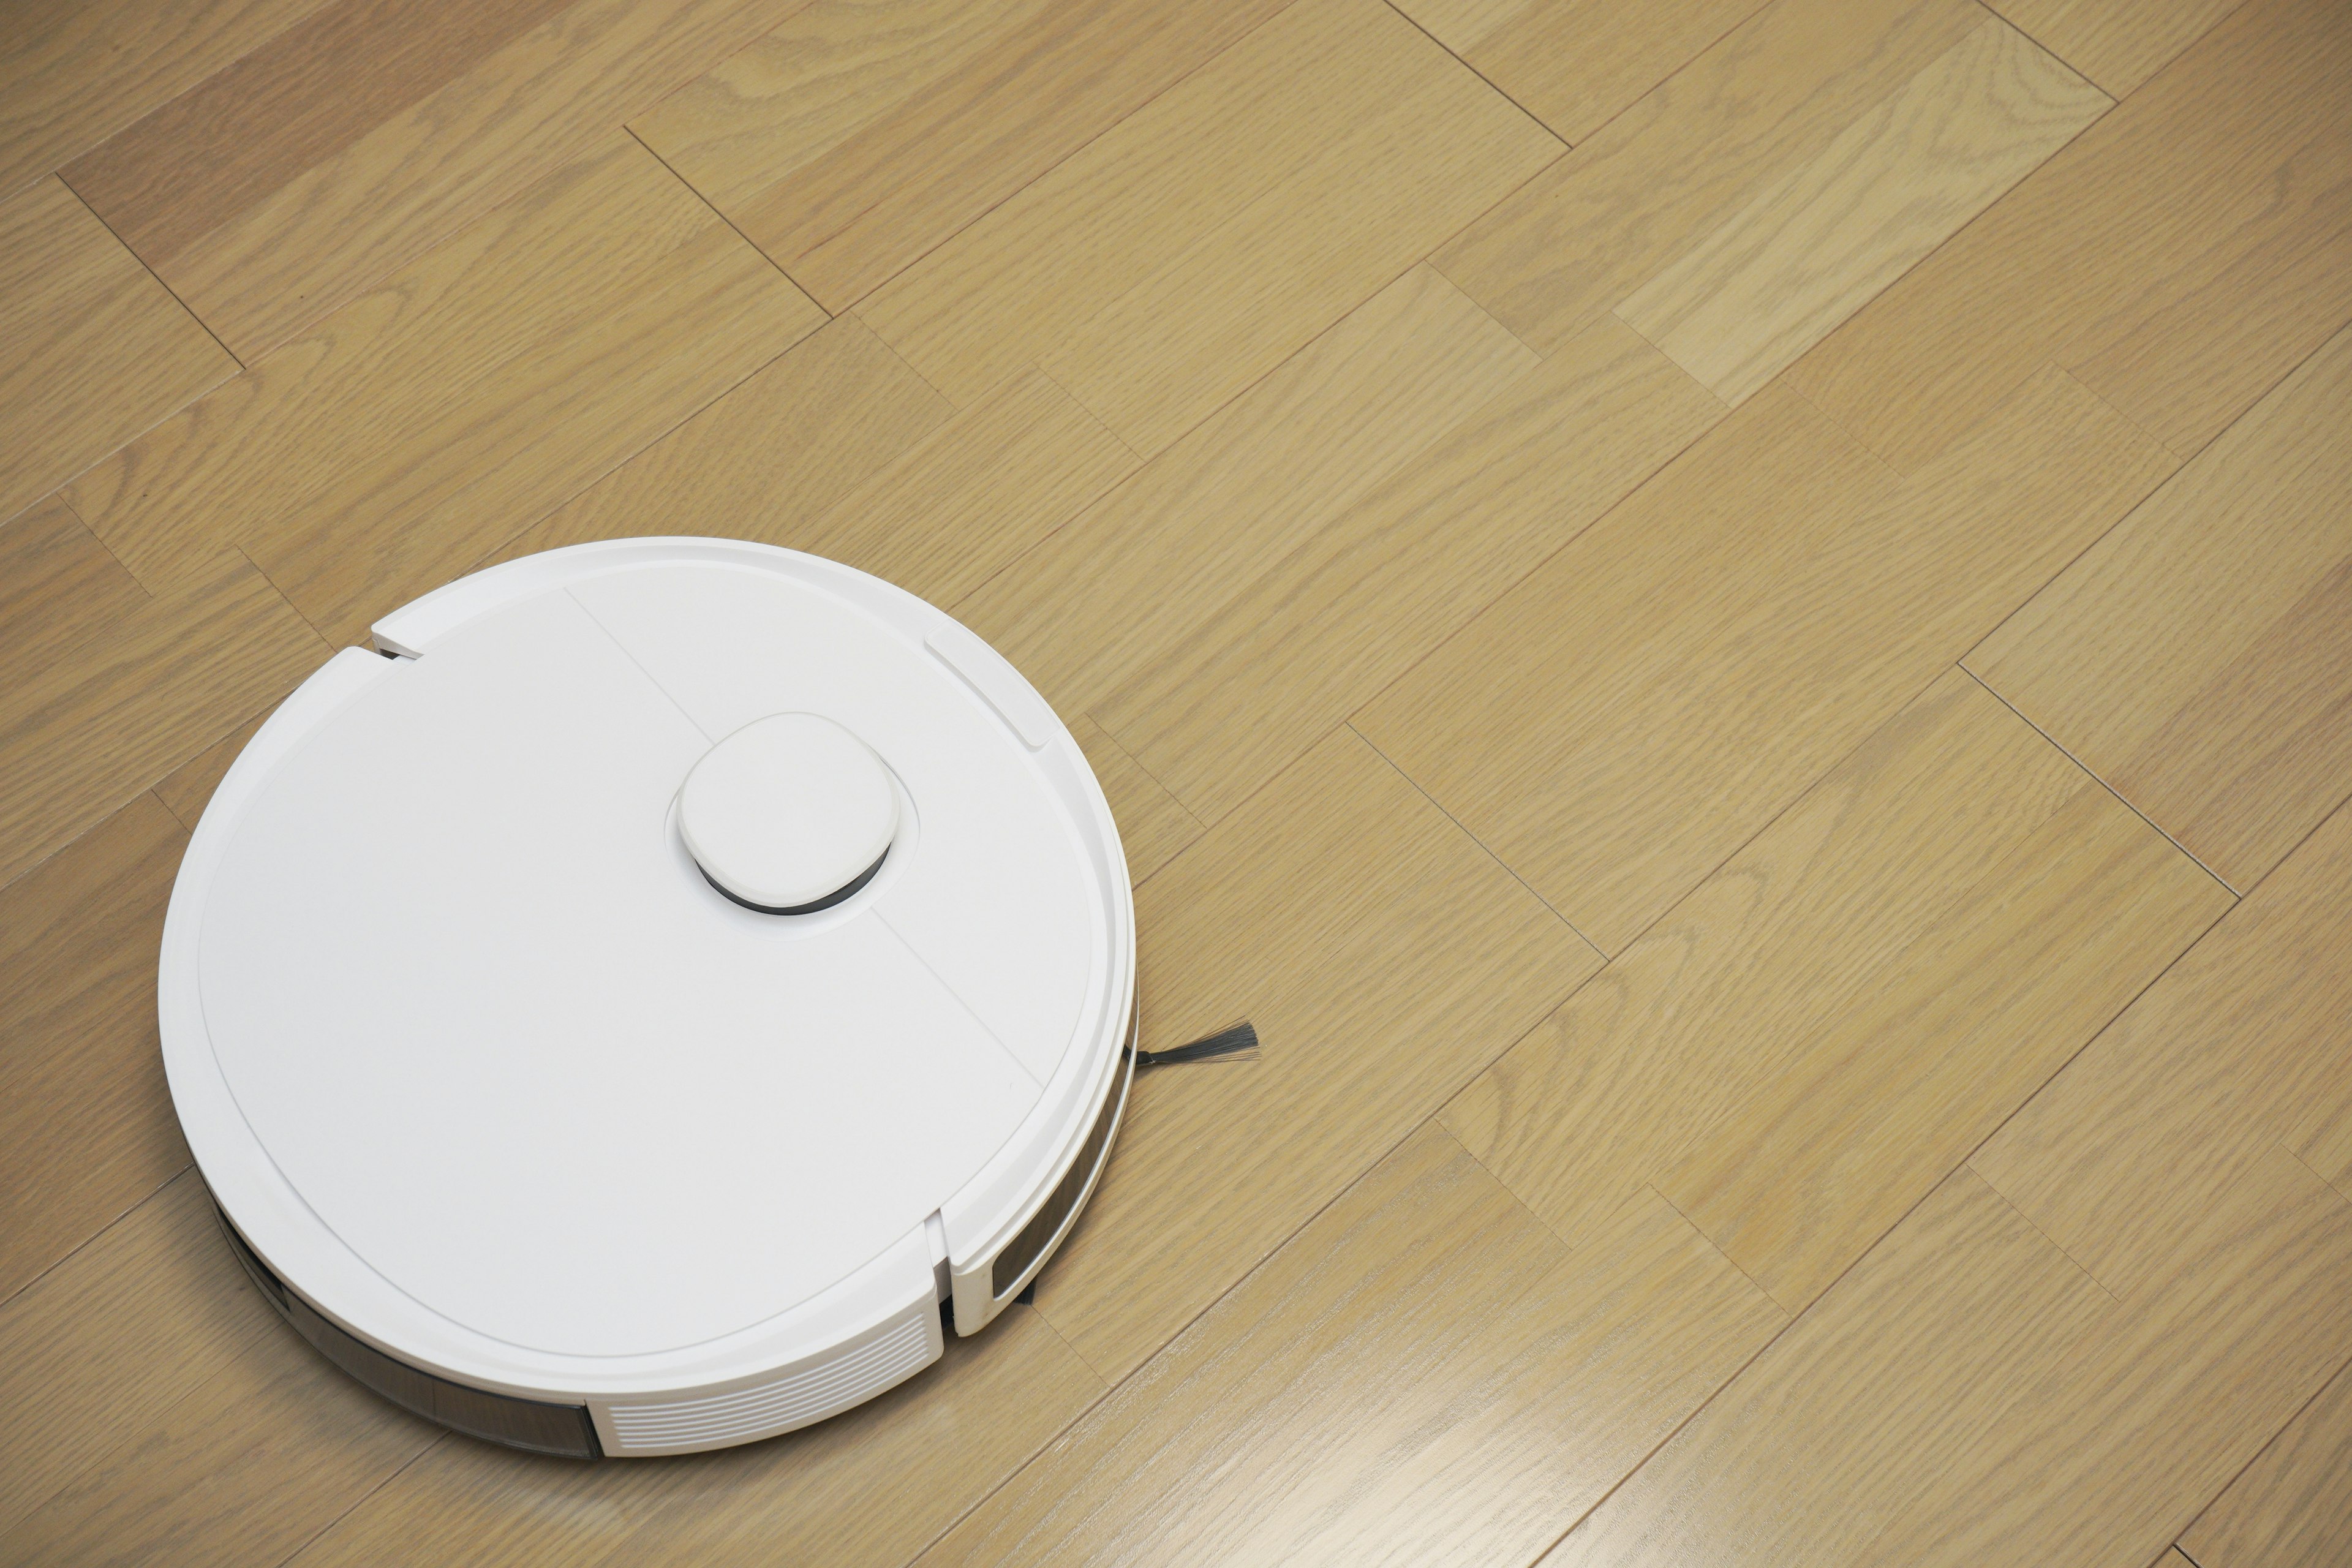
pixel 1730 621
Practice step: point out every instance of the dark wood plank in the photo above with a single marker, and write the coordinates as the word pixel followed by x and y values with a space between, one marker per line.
pixel 304 96
pixel 355 145
pixel 72 75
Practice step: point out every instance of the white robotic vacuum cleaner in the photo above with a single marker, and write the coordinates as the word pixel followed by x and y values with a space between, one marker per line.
pixel 638 1007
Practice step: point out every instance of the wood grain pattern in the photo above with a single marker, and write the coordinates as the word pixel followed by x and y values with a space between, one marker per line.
pixel 800 90
pixel 1937 1177
pixel 187 789
pixel 1525 1376
pixel 767 459
pixel 70 76
pixel 1250 289
pixel 2179 257
pixel 1291 912
pixel 253 1462
pixel 92 349
pixel 1246 513
pixel 1940 1334
pixel 2118 44
pixel 2071 919
pixel 868 1489
pixel 1322 629
pixel 424 424
pixel 1153 826
pixel 855 137
pixel 2126 1155
pixel 988 484
pixel 2199 658
pixel 2129 1437
pixel 104 687
pixel 105 1344
pixel 1807 1044
pixel 1252 205
pixel 1460 24
pixel 81 1081
pixel 1575 64
pixel 328 232
pixel 1628 715
pixel 307 94
pixel 1565 248
pixel 1812 247
pixel 840 450
pixel 2292 1508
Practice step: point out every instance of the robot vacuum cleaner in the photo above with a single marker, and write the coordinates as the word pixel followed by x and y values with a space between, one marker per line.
pixel 638 1007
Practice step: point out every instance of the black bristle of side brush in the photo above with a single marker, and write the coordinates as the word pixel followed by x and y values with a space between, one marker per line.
pixel 1237 1043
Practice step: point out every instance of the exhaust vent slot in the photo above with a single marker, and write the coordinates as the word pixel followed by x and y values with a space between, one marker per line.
pixel 809 1393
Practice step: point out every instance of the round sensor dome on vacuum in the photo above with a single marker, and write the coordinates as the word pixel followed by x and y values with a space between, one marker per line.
pixel 789 815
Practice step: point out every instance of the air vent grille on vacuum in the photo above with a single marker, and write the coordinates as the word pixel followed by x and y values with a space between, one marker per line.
pixel 807 1394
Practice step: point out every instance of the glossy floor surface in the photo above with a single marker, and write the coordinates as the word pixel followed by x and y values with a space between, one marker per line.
pixel 1729 621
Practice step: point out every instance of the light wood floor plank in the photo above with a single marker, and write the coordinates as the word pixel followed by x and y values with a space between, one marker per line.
pixel 1937 1335
pixel 1424 1375
pixel 101 1346
pixel 1974 1015
pixel 826 73
pixel 1627 716
pixel 855 137
pixel 1153 826
pixel 2179 257
pixel 92 349
pixel 1805 1046
pixel 1198 242
pixel 86 1123
pixel 1008 289
pixel 1293 912
pixel 2292 1508
pixel 1323 628
pixel 1567 246
pixel 1812 247
pixel 839 450
pixel 2127 1439
pixel 990 483
pixel 302 219
pixel 423 424
pixel 1575 64
pixel 868 1489
pixel 1361 209
pixel 1230 534
pixel 2118 44
pixel 2199 658
pixel 253 1462
pixel 188 788
pixel 767 459
pixel 2238 1049
pixel 104 687
pixel 70 76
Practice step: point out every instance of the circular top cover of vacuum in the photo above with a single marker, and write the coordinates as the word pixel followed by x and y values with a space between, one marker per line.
pixel 477 1020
